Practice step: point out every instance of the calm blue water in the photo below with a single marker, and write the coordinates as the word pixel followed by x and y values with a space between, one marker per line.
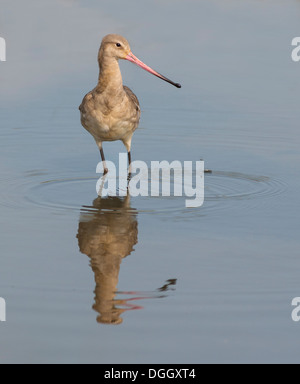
pixel 145 280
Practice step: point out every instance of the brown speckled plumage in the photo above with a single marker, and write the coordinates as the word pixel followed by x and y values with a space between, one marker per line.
pixel 111 111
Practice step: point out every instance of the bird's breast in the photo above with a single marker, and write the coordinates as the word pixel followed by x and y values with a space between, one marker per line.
pixel 107 121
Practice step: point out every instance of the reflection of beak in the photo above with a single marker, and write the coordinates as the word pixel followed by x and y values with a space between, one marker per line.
pixel 138 62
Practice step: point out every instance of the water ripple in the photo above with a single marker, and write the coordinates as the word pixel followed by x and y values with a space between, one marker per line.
pixel 222 190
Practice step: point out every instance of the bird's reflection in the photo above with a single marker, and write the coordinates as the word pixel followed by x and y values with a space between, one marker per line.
pixel 107 233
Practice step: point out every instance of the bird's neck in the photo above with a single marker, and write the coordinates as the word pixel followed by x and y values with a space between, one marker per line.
pixel 110 78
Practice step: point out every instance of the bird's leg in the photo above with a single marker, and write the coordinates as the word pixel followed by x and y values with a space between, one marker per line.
pixel 129 165
pixel 129 159
pixel 105 170
pixel 99 192
pixel 127 143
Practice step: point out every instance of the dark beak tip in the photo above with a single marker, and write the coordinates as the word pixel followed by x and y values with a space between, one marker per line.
pixel 178 85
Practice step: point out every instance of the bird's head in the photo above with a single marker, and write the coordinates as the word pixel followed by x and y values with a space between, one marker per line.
pixel 117 47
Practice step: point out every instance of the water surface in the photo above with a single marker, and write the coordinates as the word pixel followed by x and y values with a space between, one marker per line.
pixel 145 280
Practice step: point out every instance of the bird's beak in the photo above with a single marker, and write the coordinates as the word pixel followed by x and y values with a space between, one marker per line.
pixel 135 60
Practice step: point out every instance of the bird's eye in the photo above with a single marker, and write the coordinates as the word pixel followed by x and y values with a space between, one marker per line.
pixel 118 45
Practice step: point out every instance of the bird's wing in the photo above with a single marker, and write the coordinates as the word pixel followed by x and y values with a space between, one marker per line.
pixel 132 97
pixel 86 99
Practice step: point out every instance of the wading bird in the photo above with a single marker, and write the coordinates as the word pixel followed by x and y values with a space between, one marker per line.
pixel 111 111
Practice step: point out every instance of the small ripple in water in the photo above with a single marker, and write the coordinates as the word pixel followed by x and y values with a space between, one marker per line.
pixel 72 193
